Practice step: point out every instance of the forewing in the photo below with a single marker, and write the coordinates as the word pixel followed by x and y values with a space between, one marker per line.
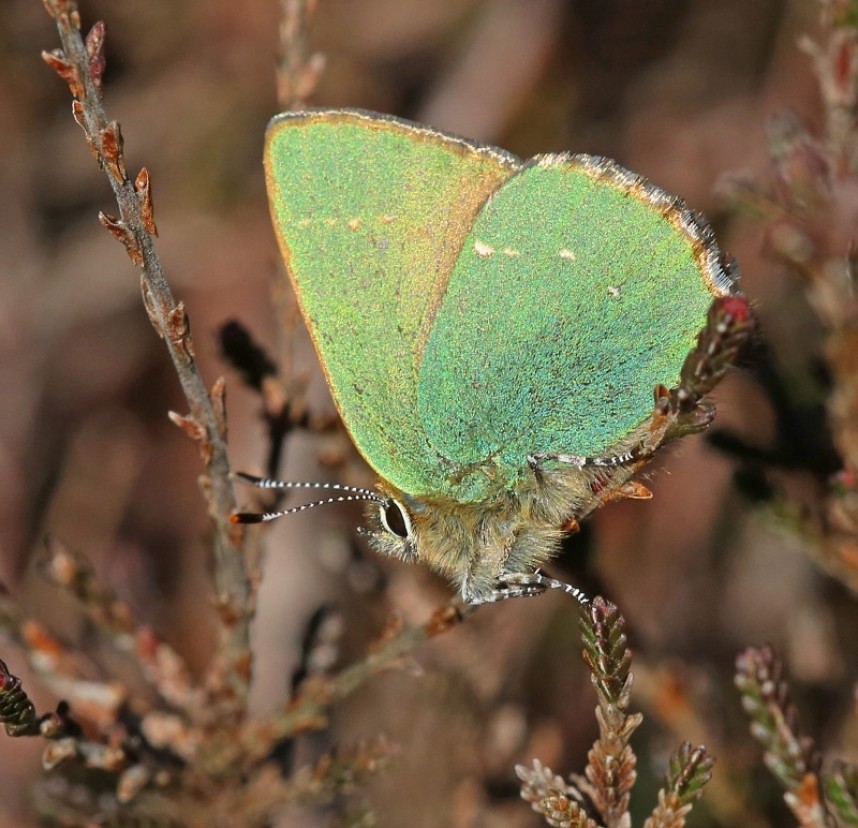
pixel 370 214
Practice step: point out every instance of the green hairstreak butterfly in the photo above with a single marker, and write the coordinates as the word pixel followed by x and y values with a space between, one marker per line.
pixel 491 329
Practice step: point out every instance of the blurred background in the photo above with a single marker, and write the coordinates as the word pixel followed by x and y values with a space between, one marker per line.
pixel 680 91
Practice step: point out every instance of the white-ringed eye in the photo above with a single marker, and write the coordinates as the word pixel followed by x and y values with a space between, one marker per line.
pixel 394 518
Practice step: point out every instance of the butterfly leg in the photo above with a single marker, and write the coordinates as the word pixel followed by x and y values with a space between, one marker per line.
pixel 680 410
pixel 610 461
pixel 528 585
pixel 654 436
pixel 504 593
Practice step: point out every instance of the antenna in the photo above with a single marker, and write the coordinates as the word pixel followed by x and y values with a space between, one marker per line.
pixel 351 493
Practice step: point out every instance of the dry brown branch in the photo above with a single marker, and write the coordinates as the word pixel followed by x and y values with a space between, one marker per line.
pixel 81 63
pixel 308 710
pixel 300 69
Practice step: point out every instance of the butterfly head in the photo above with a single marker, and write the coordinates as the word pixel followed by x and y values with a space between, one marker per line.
pixel 476 544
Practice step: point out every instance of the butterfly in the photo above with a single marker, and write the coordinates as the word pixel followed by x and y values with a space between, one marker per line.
pixel 492 331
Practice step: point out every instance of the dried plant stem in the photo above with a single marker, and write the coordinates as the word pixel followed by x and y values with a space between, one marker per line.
pixel 806 204
pixel 232 756
pixel 298 73
pixel 81 64
pixel 300 69
pixel 65 736
pixel 71 571
pixel 810 233
pixel 830 273
pixel 309 708
pixel 690 770
pixel 60 668
pixel 549 795
pixel 790 756
pixel 610 773
pixel 160 665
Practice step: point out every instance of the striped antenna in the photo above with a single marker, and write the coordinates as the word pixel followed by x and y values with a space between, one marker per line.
pixel 351 493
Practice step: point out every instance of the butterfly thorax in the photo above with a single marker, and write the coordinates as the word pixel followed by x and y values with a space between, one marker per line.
pixel 515 530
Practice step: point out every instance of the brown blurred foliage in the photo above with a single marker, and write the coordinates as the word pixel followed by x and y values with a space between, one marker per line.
pixel 679 91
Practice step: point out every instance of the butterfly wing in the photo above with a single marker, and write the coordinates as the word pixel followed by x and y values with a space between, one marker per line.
pixel 579 288
pixel 370 214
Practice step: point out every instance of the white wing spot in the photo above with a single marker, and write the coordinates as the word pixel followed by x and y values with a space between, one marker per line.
pixel 511 251
pixel 482 249
pixel 353 224
pixel 567 254
pixel 614 291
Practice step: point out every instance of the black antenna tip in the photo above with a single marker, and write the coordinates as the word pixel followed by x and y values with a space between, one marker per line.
pixel 247 517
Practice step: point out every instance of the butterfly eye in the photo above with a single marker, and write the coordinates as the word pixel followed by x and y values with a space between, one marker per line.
pixel 395 519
